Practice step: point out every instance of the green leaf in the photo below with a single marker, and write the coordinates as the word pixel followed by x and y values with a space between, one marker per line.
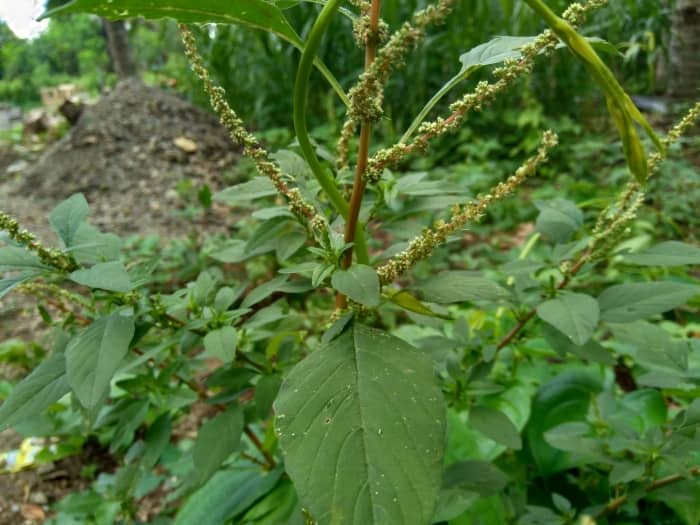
pixel 157 439
pixel 93 356
pixel 477 476
pixel 278 284
pixel 488 53
pixel 7 284
pixel 558 220
pixel 408 302
pixel 669 253
pixel 216 440
pixel 461 286
pixel 495 425
pixel 266 390
pixel 629 302
pixel 67 217
pixel 362 425
pixel 360 283
pixel 17 258
pixel 91 246
pixel 227 494
pixel 252 13
pixel 563 399
pixel 110 276
pixel 626 472
pixel 221 343
pixel 591 351
pixel 495 51
pixel 573 314
pixel 44 386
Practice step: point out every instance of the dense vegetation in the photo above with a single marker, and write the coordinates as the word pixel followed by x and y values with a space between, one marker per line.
pixel 509 334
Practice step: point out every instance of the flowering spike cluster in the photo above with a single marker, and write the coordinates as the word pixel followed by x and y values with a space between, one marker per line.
pixel 240 135
pixel 423 245
pixel 53 258
pixel 484 93
pixel 612 221
pixel 367 96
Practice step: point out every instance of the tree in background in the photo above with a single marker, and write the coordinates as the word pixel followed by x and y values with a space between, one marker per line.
pixel 117 38
pixel 684 75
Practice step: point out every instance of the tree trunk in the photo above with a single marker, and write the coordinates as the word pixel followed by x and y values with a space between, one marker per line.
pixel 684 52
pixel 119 50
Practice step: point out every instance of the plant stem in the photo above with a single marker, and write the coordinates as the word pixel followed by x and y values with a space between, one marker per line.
pixel 352 226
pixel 301 88
pixel 616 503
pixel 258 444
pixel 530 314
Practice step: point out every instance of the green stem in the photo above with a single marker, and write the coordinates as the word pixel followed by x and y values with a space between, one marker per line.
pixel 301 88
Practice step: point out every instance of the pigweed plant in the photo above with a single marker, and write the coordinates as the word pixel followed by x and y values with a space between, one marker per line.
pixel 544 390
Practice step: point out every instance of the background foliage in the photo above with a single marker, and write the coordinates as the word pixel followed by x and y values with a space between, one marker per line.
pixel 591 413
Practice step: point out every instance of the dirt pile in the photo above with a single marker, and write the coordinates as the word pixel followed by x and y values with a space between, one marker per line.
pixel 126 154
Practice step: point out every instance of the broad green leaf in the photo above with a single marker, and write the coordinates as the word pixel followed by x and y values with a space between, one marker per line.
pixel 91 246
pixel 573 314
pixel 477 476
pixel 591 351
pixel 669 253
pixel 110 276
pixel 360 283
pixel 44 386
pixel 558 220
pixel 221 343
pixel 361 423
pixel 495 425
pixel 227 494
pixel 216 440
pixel 629 302
pixel 93 356
pixel 17 258
pixel 461 286
pixel 157 439
pixel 563 399
pixel 67 217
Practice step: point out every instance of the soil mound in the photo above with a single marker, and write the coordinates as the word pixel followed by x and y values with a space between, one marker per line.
pixel 126 154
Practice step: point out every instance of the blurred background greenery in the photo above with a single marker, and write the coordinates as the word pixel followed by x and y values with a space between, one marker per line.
pixel 258 69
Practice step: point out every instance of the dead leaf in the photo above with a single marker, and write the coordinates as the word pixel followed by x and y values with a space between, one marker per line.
pixel 185 144
pixel 32 512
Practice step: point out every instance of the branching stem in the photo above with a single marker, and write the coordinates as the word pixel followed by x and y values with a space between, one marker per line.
pixel 352 226
pixel 301 89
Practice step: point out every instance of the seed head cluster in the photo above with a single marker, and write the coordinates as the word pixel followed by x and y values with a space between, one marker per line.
pixel 240 135
pixel 422 246
pixel 54 258
pixel 367 96
pixel 612 223
pixel 484 93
